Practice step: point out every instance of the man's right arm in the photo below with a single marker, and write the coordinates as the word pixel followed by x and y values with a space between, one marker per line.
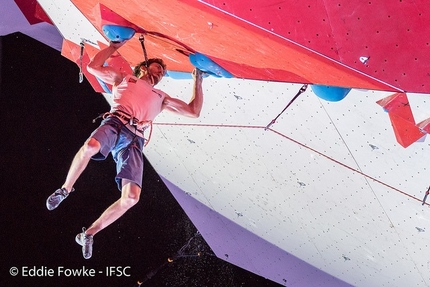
pixel 107 74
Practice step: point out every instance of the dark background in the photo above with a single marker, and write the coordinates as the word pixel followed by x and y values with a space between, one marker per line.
pixel 45 117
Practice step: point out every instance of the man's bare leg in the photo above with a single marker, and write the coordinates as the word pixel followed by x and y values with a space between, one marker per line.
pixel 129 197
pixel 80 162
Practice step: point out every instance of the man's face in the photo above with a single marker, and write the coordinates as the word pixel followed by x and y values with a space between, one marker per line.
pixel 155 73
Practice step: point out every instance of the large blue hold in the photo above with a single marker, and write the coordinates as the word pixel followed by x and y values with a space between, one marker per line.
pixel 330 93
pixel 117 33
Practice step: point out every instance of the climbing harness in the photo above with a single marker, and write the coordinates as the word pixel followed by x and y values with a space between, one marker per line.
pixel 302 90
pixel 140 126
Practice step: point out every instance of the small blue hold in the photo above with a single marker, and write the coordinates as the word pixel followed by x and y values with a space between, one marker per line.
pixel 182 75
pixel 178 75
pixel 206 65
pixel 104 86
pixel 117 33
pixel 330 93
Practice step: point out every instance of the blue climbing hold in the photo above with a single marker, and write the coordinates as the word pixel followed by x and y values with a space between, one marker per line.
pixel 178 75
pixel 330 93
pixel 117 33
pixel 182 75
pixel 104 86
pixel 208 66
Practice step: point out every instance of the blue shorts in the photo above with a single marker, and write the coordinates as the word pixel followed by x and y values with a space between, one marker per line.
pixel 126 148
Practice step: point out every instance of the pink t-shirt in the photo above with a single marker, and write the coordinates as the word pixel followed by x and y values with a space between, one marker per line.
pixel 138 98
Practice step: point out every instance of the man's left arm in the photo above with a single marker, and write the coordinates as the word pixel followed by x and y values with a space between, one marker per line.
pixel 194 107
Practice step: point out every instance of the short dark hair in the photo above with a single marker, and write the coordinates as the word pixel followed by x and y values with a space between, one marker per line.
pixel 136 70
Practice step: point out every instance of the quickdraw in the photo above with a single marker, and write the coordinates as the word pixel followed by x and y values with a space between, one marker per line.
pixel 81 76
pixel 302 90
pixel 142 40
pixel 425 196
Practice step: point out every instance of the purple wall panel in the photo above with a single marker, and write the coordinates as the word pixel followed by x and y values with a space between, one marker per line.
pixel 236 245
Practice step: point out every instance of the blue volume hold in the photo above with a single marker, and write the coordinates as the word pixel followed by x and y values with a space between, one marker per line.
pixel 117 33
pixel 206 65
pixel 330 93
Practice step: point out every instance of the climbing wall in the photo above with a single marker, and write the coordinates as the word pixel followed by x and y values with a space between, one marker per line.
pixel 327 182
pixel 335 188
pixel 259 54
pixel 384 39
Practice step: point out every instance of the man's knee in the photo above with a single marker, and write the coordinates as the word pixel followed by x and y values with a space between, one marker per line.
pixel 130 194
pixel 91 147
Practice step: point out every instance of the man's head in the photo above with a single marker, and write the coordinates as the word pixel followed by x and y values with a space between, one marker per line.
pixel 156 68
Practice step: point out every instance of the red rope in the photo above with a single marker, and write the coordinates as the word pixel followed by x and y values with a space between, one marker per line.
pixel 299 143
